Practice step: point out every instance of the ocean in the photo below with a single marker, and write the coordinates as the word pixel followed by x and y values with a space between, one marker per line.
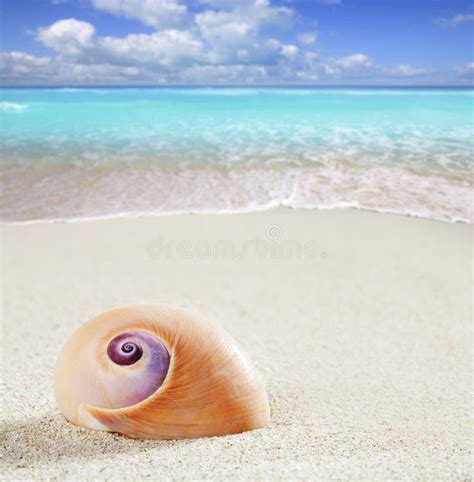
pixel 76 153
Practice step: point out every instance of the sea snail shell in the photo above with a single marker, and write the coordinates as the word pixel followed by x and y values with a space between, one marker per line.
pixel 157 372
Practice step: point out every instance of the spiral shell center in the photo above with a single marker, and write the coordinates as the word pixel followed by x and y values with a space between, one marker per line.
pixel 124 349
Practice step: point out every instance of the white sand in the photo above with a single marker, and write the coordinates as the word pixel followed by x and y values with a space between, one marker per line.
pixel 366 352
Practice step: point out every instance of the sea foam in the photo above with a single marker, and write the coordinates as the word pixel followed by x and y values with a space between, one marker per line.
pixel 12 106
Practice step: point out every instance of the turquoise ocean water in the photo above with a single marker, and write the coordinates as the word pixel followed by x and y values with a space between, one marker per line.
pixel 77 153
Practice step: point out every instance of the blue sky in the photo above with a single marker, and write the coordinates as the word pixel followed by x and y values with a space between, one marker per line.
pixel 320 42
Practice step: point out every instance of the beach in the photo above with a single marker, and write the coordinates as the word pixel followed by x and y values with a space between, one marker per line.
pixel 359 323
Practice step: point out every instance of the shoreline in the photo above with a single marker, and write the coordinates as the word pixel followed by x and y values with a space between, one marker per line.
pixel 269 208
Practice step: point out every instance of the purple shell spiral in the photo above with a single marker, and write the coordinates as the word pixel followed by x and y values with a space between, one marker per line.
pixel 124 349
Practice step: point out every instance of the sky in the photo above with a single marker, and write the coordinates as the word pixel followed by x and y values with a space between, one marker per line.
pixel 236 42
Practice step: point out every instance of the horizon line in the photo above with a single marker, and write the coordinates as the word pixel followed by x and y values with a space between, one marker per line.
pixel 241 86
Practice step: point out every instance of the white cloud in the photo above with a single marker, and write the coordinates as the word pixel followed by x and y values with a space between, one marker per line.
pixel 254 14
pixel 236 32
pixel 17 65
pixel 166 49
pixel 455 20
pixel 354 61
pixel 224 31
pixel 227 4
pixel 155 13
pixel 466 71
pixel 75 40
pixel 238 74
pixel 362 66
pixel 307 38
pixel 290 51
pixel 98 72
pixel 353 66
pixel 23 69
pixel 68 36
pixel 405 70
